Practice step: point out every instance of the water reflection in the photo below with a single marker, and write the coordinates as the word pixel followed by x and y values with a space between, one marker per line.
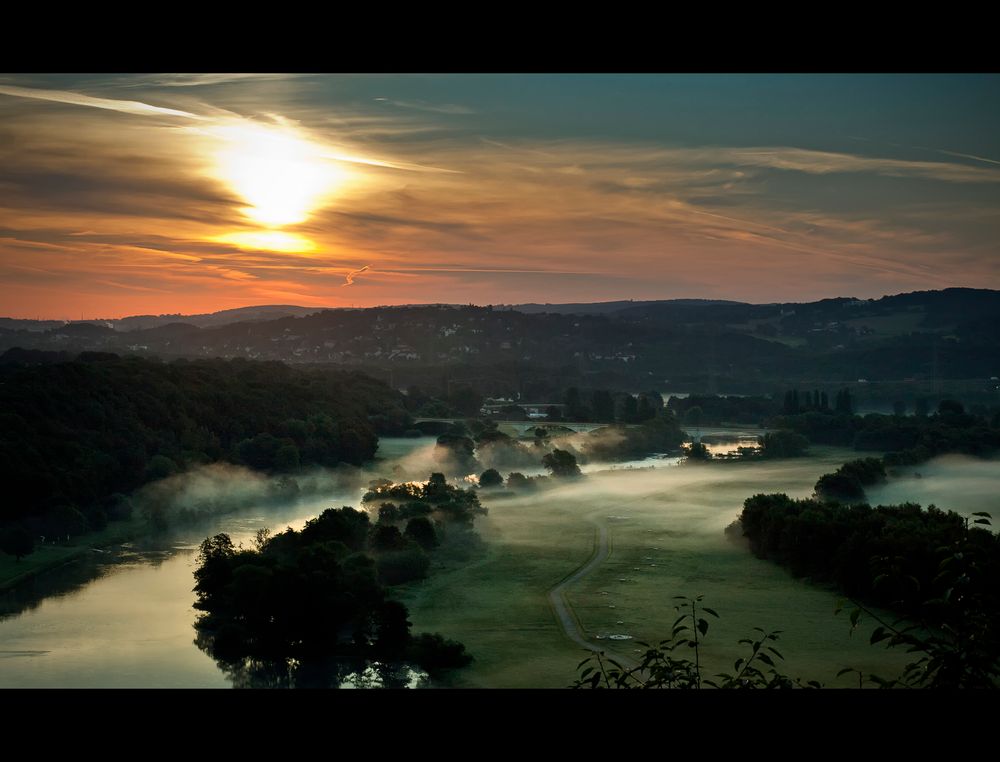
pixel 124 618
pixel 73 577
pixel 317 673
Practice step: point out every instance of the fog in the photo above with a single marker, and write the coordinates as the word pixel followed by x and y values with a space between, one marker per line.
pixel 213 490
pixel 666 536
pixel 665 520
pixel 951 482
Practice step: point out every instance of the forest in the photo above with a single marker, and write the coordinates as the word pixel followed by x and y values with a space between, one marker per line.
pixel 76 437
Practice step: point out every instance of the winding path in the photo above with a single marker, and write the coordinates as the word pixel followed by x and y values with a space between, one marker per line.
pixel 564 612
pixel 557 595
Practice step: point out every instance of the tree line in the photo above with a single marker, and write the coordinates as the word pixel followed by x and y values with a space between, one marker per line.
pixel 76 436
pixel 312 606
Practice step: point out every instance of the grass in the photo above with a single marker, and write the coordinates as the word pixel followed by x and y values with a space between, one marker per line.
pixel 673 518
pixel 52 555
pixel 498 605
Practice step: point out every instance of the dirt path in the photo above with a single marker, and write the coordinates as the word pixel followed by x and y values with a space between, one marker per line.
pixel 557 594
pixel 564 612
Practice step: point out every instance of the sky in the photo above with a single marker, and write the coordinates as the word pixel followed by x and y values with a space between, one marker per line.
pixel 127 194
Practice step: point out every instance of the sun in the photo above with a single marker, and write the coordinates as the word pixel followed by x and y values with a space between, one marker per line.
pixel 268 240
pixel 281 174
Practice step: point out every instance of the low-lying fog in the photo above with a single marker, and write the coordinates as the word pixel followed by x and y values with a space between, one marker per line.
pixel 128 620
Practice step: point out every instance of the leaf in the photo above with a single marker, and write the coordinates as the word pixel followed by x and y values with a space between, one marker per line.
pixel 878 635
pixel 703 626
pixel 766 659
pixel 983 513
pixel 855 616
pixel 776 652
pixel 707 610
pixel 845 670
pixel 982 521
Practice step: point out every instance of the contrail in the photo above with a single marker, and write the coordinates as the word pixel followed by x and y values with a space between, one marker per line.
pixel 350 276
pixel 78 99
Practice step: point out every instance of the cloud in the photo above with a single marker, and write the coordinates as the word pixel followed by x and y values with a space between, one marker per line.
pixel 349 278
pixel 826 162
pixel 966 156
pixel 434 108
pixel 78 99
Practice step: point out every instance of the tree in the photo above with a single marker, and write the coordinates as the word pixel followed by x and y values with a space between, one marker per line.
pixel 791 406
pixel 698 452
pixel 518 482
pixel 490 478
pixel 386 537
pixel 645 409
pixel 783 444
pixel 16 541
pixel 561 464
pixel 466 400
pixel 421 531
pixel 630 410
pixel 694 416
pixel 287 457
pixel 844 405
pixel 573 404
pixel 603 405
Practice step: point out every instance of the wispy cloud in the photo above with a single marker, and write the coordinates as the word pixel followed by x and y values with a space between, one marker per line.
pixel 349 278
pixel 967 156
pixel 79 99
pixel 826 162
pixel 433 108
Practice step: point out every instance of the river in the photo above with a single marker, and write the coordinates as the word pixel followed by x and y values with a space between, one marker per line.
pixel 125 618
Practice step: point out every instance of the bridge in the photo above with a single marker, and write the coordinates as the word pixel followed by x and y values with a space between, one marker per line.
pixel 519 428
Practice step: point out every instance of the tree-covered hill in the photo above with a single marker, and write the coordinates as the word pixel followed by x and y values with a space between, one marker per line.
pixel 72 434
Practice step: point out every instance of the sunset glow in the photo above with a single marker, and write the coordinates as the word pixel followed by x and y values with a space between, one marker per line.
pixel 238 190
pixel 282 176
pixel 268 240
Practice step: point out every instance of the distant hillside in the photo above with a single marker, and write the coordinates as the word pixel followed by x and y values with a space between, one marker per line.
pixel 223 317
pixel 603 308
pixel 919 338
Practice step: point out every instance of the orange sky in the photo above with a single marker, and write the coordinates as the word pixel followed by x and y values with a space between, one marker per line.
pixel 126 195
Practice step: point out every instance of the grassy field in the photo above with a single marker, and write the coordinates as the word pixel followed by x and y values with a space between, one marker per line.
pixel 666 537
pixel 498 606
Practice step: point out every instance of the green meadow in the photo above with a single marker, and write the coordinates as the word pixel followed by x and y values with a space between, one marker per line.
pixel 666 538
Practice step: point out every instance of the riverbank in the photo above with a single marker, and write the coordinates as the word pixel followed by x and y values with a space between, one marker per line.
pixel 52 555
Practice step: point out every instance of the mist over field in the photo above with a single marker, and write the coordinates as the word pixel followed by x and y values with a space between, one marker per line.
pixel 666 536
pixel 958 483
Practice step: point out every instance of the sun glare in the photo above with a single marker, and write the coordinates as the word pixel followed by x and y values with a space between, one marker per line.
pixel 281 174
pixel 268 240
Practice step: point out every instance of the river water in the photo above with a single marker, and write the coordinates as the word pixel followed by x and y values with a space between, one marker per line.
pixel 125 618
